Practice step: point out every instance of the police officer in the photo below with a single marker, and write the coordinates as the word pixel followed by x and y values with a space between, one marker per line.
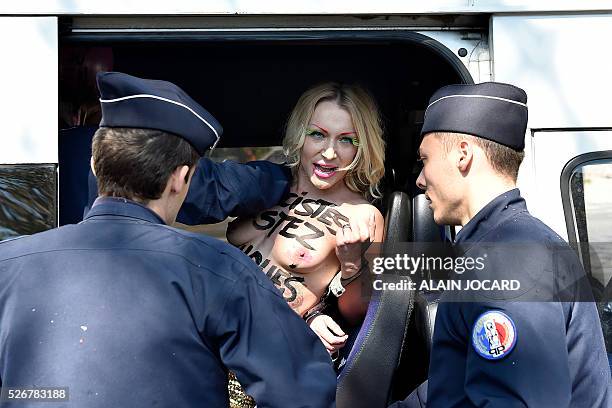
pixel 526 350
pixel 124 310
pixel 221 190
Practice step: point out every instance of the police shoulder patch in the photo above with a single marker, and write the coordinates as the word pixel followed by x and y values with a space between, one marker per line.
pixel 494 335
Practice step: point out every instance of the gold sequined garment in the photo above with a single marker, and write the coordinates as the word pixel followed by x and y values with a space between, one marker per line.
pixel 238 398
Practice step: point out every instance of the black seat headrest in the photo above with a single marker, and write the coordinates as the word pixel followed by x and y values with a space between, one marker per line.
pixel 424 227
pixel 369 372
pixel 398 219
pixel 368 376
pixel 390 356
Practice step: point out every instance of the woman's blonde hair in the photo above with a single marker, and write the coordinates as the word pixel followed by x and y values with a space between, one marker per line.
pixel 367 168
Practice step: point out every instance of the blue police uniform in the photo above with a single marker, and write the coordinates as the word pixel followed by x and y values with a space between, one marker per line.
pixel 232 189
pixel 217 190
pixel 535 344
pixel 553 354
pixel 227 189
pixel 126 311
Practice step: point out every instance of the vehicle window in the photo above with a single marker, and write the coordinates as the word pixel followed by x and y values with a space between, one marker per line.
pixel 588 197
pixel 590 186
pixel 28 199
pixel 241 155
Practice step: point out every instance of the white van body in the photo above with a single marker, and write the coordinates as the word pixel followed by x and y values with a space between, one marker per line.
pixel 556 51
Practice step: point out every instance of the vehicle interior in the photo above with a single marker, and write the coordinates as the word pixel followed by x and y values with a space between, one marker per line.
pixel 250 85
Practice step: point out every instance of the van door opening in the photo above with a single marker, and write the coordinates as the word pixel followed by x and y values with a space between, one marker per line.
pixel 250 83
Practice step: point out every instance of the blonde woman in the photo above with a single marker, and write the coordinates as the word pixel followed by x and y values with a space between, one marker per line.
pixel 310 244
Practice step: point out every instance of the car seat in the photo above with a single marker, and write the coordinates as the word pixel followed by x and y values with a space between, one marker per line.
pixel 390 355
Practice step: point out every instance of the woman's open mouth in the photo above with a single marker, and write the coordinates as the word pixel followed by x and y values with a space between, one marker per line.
pixel 324 171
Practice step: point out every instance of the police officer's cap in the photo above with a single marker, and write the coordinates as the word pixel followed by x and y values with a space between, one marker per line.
pixel 490 110
pixel 132 102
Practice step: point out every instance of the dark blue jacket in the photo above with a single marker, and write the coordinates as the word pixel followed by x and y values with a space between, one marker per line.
pixel 128 312
pixel 219 190
pixel 559 358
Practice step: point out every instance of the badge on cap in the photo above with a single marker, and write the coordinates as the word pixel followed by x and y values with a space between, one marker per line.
pixel 494 335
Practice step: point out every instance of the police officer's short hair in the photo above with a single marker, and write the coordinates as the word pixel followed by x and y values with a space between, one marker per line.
pixel 505 160
pixel 137 163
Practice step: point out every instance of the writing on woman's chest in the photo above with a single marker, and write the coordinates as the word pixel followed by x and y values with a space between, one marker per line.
pixel 297 212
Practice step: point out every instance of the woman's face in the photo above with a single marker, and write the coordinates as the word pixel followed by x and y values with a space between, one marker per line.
pixel 330 143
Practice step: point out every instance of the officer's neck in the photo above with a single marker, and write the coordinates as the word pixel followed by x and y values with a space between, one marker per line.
pixel 169 203
pixel 482 191
pixel 161 208
pixel 167 206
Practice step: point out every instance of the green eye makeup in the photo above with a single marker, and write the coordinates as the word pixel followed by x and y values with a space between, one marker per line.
pixel 352 140
pixel 346 139
pixel 314 132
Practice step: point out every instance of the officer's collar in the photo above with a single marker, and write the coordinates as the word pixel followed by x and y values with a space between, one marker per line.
pixel 122 207
pixel 495 212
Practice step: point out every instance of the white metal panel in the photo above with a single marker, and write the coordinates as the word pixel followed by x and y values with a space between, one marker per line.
pixel 183 7
pixel 28 80
pixel 564 64
pixel 551 152
pixel 477 59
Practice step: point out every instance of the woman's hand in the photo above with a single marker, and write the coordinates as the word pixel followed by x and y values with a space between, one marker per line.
pixel 349 243
pixel 330 334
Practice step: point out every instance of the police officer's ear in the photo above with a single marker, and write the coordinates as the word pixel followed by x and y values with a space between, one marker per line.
pixel 465 150
pixel 179 179
pixel 190 173
pixel 92 165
